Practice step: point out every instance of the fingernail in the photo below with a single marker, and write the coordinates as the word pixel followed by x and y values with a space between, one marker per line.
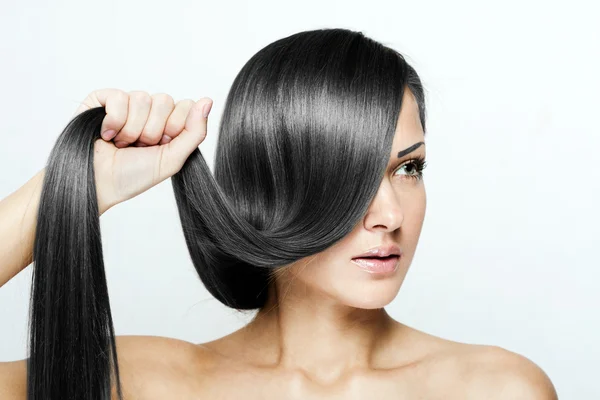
pixel 141 145
pixel 121 144
pixel 109 134
pixel 165 139
pixel 206 109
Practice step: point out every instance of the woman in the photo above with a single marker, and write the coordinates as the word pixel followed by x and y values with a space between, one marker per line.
pixel 313 219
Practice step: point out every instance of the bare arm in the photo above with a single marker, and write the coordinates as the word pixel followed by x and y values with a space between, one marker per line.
pixel 18 218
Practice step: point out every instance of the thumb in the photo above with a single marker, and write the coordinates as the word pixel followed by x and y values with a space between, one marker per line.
pixel 179 149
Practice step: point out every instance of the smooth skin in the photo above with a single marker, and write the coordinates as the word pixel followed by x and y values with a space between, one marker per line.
pixel 324 333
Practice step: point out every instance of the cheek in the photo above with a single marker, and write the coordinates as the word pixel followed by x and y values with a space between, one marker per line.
pixel 323 272
pixel 414 208
pixel 420 212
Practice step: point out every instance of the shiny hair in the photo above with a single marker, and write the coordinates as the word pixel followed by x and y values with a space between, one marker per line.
pixel 303 144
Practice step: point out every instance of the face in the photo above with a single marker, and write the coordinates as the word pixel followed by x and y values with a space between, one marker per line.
pixel 395 216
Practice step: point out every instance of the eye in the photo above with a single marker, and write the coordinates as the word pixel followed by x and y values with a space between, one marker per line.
pixel 414 168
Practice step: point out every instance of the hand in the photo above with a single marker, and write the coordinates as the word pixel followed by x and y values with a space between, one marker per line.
pixel 151 139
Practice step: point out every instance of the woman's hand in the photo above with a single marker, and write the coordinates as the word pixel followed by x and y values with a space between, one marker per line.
pixel 150 140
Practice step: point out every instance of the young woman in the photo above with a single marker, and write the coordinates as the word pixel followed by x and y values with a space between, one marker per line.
pixel 312 219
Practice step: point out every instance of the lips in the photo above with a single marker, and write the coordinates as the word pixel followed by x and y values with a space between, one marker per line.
pixel 381 252
pixel 379 260
pixel 377 265
pixel 376 258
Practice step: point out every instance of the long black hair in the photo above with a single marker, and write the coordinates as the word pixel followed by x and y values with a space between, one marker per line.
pixel 303 144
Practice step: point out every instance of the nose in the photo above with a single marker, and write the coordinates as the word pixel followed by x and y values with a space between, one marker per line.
pixel 385 213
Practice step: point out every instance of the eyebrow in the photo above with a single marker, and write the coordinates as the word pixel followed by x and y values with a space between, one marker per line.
pixel 412 148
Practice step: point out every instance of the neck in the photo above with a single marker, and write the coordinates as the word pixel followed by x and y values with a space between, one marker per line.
pixel 303 330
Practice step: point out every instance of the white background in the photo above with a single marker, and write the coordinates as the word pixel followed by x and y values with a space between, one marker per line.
pixel 509 250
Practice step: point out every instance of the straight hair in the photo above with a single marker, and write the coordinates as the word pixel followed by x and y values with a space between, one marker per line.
pixel 303 145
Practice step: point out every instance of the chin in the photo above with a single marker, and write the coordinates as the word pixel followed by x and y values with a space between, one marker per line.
pixel 376 297
pixel 372 304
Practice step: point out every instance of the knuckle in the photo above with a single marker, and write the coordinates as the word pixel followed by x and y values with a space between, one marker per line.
pixel 186 103
pixel 163 99
pixel 120 102
pixel 120 97
pixel 113 91
pixel 119 94
pixel 140 97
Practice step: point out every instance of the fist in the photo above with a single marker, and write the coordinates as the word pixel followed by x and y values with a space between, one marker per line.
pixel 145 140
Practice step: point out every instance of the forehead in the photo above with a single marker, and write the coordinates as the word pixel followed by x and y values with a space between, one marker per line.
pixel 408 128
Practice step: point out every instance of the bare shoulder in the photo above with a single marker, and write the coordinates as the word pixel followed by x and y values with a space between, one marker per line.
pixel 150 367
pixel 154 367
pixel 13 380
pixel 496 373
pixel 472 371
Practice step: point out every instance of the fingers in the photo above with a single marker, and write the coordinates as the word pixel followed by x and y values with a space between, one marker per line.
pixel 95 99
pixel 143 120
pixel 193 133
pixel 137 115
pixel 176 121
pixel 160 110
pixel 115 103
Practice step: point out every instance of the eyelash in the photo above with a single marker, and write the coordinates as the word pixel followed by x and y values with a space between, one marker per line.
pixel 419 164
